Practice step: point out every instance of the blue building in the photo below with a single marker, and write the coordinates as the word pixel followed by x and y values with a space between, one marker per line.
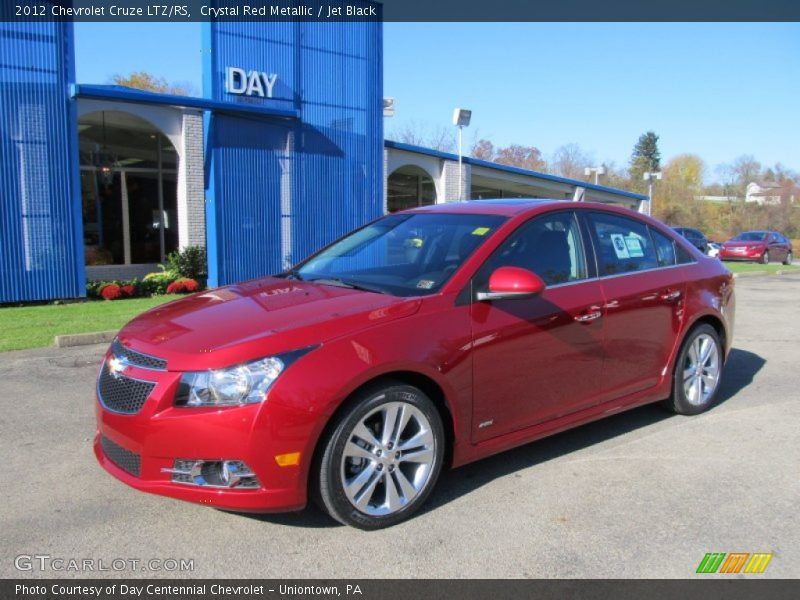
pixel 283 153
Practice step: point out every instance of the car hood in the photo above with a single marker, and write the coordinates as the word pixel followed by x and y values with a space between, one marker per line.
pixel 262 317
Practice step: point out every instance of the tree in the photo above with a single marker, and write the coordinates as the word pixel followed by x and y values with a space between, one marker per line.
pixel 483 150
pixel 646 157
pixel 524 157
pixel 675 197
pixel 746 169
pixel 570 161
pixel 417 134
pixel 142 80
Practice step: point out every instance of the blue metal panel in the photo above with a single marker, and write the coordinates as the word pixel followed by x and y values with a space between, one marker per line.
pixel 288 189
pixel 41 246
pixel 340 163
pixel 250 158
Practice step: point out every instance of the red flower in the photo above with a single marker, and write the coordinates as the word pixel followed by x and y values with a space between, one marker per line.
pixel 128 290
pixel 111 291
pixel 176 287
pixel 182 286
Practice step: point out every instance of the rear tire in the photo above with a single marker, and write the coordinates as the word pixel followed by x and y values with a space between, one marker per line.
pixel 380 461
pixel 698 372
pixel 788 260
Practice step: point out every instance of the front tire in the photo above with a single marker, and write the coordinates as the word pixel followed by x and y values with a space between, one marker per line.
pixel 765 258
pixel 382 458
pixel 698 372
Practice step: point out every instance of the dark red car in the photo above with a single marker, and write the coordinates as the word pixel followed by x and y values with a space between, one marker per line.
pixel 758 246
pixel 428 338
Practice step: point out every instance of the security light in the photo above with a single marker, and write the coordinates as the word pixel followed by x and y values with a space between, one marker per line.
pixel 461 117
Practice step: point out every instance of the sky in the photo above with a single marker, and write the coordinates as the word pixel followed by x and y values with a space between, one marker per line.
pixel 717 90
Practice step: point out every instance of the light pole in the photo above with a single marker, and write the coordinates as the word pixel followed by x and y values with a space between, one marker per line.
pixel 461 118
pixel 649 177
pixel 597 172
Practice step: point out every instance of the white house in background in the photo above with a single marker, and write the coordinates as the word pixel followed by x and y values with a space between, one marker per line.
pixel 763 192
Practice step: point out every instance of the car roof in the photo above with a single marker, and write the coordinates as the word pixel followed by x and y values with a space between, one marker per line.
pixel 505 206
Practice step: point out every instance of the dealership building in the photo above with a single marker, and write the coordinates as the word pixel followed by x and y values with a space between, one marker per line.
pixel 283 152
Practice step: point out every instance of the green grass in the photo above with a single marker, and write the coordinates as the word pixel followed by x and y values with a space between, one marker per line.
pixel 749 267
pixel 35 326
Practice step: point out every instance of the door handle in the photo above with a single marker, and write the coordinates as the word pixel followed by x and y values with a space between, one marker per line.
pixel 590 315
pixel 671 296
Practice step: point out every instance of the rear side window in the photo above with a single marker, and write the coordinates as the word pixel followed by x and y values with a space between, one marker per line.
pixel 683 255
pixel 623 245
pixel 665 249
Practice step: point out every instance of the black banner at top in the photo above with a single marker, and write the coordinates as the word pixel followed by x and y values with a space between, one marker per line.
pixel 400 10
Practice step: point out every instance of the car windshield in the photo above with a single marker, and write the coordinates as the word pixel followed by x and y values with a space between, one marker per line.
pixel 403 255
pixel 750 236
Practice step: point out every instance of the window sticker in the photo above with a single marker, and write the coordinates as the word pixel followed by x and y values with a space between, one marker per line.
pixel 634 246
pixel 480 230
pixel 618 241
pixel 425 284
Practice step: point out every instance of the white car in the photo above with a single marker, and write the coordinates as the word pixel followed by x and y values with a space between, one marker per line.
pixel 713 249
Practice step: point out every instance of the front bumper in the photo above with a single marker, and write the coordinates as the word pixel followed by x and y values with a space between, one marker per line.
pixel 159 433
pixel 747 255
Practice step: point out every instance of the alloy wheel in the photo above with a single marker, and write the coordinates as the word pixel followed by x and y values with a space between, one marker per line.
pixel 701 370
pixel 388 459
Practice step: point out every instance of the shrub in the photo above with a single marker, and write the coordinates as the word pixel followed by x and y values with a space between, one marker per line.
pixel 156 283
pixel 128 290
pixel 110 291
pixel 191 263
pixel 183 285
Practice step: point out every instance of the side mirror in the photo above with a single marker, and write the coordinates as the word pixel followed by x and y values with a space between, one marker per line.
pixel 512 282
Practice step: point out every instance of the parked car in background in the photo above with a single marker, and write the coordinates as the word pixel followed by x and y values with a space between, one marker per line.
pixel 713 249
pixel 426 339
pixel 695 237
pixel 758 246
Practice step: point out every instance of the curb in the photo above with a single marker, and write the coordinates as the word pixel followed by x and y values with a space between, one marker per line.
pixel 778 272
pixel 84 339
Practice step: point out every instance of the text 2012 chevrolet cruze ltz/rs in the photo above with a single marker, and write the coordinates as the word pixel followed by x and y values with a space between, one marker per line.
pixel 428 338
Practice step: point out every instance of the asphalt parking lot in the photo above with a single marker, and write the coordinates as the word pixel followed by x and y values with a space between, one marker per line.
pixel 642 494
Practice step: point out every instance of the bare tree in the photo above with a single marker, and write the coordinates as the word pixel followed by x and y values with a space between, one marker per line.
pixel 570 161
pixel 438 138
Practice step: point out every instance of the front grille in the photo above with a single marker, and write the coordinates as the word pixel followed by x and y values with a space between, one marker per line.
pixel 125 459
pixel 122 394
pixel 137 359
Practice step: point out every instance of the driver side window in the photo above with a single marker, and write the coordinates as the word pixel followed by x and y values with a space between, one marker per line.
pixel 549 246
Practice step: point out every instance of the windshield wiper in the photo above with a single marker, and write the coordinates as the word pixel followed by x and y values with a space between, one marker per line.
pixel 336 281
pixel 294 274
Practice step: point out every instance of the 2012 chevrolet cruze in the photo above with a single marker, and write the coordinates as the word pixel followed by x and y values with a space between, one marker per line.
pixel 431 337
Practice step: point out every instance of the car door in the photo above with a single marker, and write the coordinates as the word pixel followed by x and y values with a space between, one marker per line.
pixel 643 302
pixel 535 359
pixel 777 249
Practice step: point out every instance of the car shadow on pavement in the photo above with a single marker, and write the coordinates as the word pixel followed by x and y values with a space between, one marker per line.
pixel 740 369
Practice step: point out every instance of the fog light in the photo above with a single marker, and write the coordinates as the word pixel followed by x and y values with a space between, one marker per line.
pixel 213 473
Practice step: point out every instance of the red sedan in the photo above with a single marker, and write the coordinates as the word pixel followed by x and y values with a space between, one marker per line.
pixel 758 246
pixel 426 339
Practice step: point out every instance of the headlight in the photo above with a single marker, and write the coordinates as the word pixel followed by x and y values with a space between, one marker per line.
pixel 234 386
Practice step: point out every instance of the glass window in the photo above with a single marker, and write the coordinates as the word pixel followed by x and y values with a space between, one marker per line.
pixel 403 255
pixel 623 245
pixel 665 248
pixel 549 245
pixel 684 256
